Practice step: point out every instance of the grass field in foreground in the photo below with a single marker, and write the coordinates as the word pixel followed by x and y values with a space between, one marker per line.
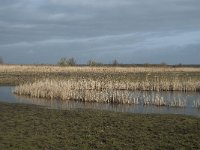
pixel 33 127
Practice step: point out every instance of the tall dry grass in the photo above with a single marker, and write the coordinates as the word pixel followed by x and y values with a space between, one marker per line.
pixel 50 69
pixel 103 84
pixel 161 84
pixel 106 91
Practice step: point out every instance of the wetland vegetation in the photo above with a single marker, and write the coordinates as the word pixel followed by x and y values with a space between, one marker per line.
pixel 34 127
pixel 18 74
pixel 108 91
pixel 100 84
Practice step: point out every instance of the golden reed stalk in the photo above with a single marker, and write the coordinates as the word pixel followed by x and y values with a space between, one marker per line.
pixel 100 91
pixel 52 69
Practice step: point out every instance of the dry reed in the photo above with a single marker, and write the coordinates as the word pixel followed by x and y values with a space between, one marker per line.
pixel 50 69
pixel 106 84
pixel 100 91
pixel 161 84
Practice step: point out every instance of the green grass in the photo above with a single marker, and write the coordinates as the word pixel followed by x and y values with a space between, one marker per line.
pixel 34 127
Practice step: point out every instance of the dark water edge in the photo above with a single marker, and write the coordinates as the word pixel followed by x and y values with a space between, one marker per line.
pixel 7 96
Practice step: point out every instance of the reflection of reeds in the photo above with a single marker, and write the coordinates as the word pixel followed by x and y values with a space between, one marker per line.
pixel 196 103
pixel 158 101
pixel 178 103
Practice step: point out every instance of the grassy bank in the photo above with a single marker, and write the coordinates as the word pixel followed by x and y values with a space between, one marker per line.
pixel 33 127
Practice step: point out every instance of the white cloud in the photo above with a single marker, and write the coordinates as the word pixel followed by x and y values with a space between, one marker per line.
pixel 92 3
pixel 18 44
pixel 68 16
pixel 23 26
pixel 181 39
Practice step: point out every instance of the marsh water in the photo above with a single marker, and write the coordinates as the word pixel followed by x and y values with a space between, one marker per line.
pixel 190 100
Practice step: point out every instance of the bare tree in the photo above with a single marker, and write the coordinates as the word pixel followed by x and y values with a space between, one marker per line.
pixel 164 64
pixel 1 61
pixel 71 62
pixel 67 62
pixel 92 62
pixel 115 62
pixel 62 62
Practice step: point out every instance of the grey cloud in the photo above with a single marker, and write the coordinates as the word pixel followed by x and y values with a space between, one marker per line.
pixel 129 30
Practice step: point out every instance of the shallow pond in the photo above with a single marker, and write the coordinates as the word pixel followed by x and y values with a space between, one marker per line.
pixel 190 101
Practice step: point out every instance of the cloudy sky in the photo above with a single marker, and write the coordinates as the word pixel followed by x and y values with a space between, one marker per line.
pixel 132 31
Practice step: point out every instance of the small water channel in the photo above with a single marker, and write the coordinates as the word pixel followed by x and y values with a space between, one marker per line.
pixel 189 99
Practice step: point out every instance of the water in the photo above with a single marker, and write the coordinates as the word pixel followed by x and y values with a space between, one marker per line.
pixel 189 100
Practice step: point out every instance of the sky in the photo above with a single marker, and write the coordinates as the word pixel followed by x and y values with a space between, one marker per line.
pixel 131 31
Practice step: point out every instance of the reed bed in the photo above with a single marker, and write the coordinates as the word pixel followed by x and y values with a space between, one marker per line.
pixel 50 69
pixel 16 74
pixel 106 91
pixel 101 84
pixel 160 84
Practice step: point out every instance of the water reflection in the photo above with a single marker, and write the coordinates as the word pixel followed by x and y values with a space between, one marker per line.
pixel 189 101
pixel 57 104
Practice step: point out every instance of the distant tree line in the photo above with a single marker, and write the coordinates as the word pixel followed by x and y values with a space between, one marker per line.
pixel 92 62
pixel 67 62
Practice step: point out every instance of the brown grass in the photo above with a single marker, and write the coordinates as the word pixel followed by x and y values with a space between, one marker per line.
pixel 100 84
pixel 104 91
pixel 49 69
